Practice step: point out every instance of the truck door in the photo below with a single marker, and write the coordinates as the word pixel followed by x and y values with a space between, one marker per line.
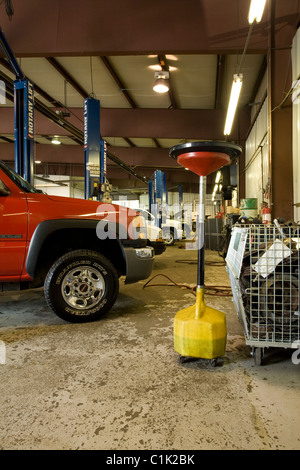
pixel 13 231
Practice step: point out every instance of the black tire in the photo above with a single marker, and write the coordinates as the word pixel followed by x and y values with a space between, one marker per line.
pixel 81 286
pixel 168 237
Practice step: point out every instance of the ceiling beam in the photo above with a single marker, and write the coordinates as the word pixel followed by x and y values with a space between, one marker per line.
pixel 128 141
pixel 172 123
pixel 171 26
pixel 202 124
pixel 37 89
pixel 219 80
pixel 118 81
pixel 139 161
pixel 7 139
pixel 68 126
pixel 164 66
pixel 67 77
pixel 122 88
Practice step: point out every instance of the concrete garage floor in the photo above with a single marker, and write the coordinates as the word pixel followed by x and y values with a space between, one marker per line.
pixel 117 384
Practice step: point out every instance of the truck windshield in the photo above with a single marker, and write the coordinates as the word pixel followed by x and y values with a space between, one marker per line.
pixel 18 180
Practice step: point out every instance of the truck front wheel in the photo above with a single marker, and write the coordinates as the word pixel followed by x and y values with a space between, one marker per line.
pixel 81 286
pixel 168 237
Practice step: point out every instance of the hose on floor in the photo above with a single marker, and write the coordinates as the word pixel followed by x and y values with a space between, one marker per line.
pixel 208 263
pixel 209 290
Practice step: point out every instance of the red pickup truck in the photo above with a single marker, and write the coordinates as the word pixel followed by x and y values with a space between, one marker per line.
pixel 77 249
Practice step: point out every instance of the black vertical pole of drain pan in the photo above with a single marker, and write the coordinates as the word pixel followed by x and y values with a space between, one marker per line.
pixel 201 232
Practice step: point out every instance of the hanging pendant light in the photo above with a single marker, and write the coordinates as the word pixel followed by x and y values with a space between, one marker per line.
pixel 161 84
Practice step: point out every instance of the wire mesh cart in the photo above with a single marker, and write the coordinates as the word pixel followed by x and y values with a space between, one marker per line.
pixel 263 264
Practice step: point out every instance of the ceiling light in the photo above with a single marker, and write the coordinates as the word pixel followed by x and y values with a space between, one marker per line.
pixel 161 84
pixel 155 67
pixel 256 10
pixel 171 57
pixel 55 141
pixel 234 97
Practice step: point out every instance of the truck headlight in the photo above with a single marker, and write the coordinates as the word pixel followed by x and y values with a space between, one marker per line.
pixel 144 252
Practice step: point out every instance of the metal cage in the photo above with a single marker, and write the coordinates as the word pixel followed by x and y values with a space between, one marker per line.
pixel 263 263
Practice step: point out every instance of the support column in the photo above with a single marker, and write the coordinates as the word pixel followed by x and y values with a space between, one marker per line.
pixel 280 126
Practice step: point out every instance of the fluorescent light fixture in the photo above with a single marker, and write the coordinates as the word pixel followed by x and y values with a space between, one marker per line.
pixel 256 10
pixel 38 161
pixel 234 98
pixel 55 141
pixel 161 84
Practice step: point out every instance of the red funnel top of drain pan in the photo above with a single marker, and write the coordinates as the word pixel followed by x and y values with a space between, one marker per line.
pixel 203 163
pixel 204 158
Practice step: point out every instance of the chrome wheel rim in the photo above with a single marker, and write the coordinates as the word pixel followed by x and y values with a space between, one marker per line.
pixel 168 238
pixel 83 287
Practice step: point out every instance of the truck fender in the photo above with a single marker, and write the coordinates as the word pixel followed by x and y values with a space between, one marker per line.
pixel 48 227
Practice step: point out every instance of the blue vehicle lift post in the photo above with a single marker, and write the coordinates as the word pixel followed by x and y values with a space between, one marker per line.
pixel 94 150
pixel 150 194
pixel 103 157
pixel 180 201
pixel 158 196
pixel 24 128
pixel 23 115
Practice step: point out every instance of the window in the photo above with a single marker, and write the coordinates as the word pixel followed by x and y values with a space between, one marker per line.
pixel 18 180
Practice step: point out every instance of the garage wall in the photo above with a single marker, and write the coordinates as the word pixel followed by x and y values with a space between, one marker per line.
pixel 257 149
pixel 58 185
pixel 190 202
pixel 296 123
